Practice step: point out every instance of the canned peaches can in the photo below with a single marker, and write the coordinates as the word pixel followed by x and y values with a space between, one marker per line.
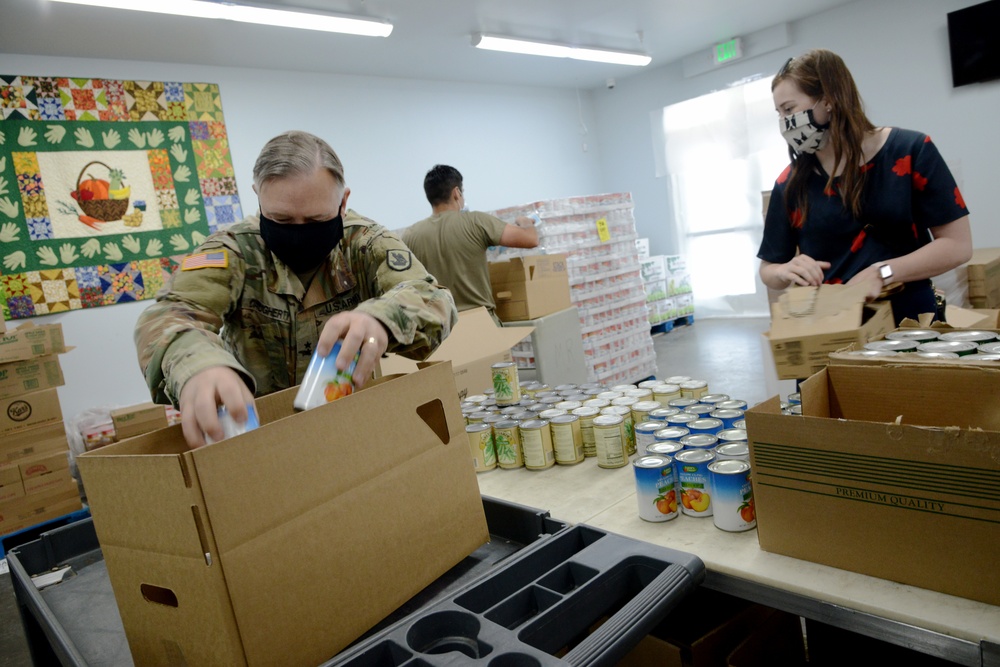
pixel 733 507
pixel 695 480
pixel 654 488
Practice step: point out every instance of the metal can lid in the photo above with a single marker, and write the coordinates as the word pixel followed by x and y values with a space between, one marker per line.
pixel 677 379
pixel 596 403
pixel 624 400
pixel 699 409
pixel 552 413
pixel 671 433
pixel 666 388
pixel 586 411
pixel 990 348
pixel 681 418
pixel 648 427
pixel 721 413
pixel 648 384
pixel 622 388
pixel 732 404
pixel 873 353
pixel 534 424
pixel 609 395
pixel 695 456
pixel 957 346
pixel 646 406
pixel 919 335
pixel 694 384
pixel 493 418
pixel 739 448
pixel 608 420
pixel 732 434
pixel 664 447
pixel 638 393
pixel 481 414
pixel 475 398
pixel 705 424
pixel 712 399
pixel 681 402
pixel 972 336
pixel 652 461
pixel 892 345
pixel 566 387
pixel 620 410
pixel 506 423
pixel 564 419
pixel 502 364
pixel 941 355
pixel 699 440
pixel 569 406
pixel 729 467
pixel 980 357
pixel 477 427
pixel 661 414
pixel 740 423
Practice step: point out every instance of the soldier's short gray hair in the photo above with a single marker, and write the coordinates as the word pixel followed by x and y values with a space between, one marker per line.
pixel 294 153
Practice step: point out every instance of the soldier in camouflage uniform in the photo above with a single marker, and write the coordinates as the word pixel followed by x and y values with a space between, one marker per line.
pixel 242 315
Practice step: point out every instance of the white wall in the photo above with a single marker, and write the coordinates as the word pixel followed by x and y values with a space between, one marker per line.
pixel 512 144
pixel 897 51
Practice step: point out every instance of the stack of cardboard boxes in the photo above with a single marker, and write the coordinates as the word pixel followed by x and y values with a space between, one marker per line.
pixel 667 284
pixel 35 480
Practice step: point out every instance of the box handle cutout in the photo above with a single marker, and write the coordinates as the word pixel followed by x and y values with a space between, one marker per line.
pixel 433 415
pixel 158 595
pixel 503 296
pixel 202 537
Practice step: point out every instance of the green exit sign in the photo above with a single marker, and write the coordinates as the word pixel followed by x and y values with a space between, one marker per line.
pixel 728 51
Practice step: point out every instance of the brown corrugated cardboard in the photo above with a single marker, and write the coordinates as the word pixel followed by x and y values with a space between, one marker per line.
pixel 891 472
pixel 526 288
pixel 475 344
pixel 21 377
pixel 138 419
pixel 35 508
pixel 282 545
pixel 10 482
pixel 29 410
pixel 30 340
pixel 808 323
pixel 44 471
pixel 31 441
pixel 984 278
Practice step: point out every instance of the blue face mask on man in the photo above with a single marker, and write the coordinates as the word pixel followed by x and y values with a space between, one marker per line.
pixel 302 247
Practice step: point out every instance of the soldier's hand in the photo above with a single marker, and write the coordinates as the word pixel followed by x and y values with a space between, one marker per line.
pixel 360 332
pixel 201 397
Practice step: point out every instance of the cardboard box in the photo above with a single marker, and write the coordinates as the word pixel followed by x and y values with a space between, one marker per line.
pixel 35 508
pixel 31 340
pixel 10 482
pixel 891 472
pixel 138 419
pixel 984 278
pixel 21 377
pixel 32 441
pixel 653 268
pixel 44 471
pixel 642 248
pixel 29 410
pixel 526 288
pixel 475 344
pixel 283 545
pixel 808 323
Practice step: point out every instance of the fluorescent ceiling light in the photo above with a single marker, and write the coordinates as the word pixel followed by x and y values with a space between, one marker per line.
pixel 250 13
pixel 533 48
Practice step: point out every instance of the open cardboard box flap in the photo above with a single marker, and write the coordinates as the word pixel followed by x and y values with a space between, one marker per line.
pixel 474 344
pixel 802 311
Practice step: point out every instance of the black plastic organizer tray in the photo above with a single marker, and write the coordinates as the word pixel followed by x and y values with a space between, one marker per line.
pixel 584 597
pixel 532 596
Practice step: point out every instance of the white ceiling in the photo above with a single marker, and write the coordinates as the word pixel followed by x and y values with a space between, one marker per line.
pixel 431 38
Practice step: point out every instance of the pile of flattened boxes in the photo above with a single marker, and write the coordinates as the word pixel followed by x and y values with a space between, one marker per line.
pixel 35 480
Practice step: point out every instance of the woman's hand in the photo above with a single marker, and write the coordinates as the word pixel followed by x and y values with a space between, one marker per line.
pixel 800 270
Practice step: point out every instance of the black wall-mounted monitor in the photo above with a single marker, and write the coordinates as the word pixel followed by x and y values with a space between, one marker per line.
pixel 974 43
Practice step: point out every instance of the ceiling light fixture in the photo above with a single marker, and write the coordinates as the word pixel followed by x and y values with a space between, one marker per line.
pixel 250 13
pixel 534 48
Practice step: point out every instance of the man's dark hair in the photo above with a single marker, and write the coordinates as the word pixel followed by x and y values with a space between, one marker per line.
pixel 439 182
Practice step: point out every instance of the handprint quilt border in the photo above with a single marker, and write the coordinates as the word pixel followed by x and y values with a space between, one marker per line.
pixel 104 185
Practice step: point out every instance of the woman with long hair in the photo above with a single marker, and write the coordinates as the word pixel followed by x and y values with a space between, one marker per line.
pixel 858 203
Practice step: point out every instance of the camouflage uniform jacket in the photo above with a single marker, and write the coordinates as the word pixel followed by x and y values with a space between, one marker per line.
pixel 254 314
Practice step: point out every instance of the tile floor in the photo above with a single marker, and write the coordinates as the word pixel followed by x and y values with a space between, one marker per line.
pixel 725 352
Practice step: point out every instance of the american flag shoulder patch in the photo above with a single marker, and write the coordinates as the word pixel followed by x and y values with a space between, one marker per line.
pixel 217 259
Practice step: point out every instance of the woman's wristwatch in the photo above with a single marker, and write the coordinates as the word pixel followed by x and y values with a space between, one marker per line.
pixel 885 272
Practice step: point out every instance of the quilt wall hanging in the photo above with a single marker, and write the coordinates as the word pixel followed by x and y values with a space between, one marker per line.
pixel 104 185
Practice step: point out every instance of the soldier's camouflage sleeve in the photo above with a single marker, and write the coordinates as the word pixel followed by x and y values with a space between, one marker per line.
pixel 177 336
pixel 399 292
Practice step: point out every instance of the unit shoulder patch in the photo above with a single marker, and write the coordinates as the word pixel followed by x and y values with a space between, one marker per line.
pixel 217 259
pixel 399 260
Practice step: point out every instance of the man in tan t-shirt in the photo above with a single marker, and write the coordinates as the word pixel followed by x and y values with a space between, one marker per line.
pixel 452 243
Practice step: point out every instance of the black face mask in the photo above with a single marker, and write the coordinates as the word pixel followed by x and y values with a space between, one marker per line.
pixel 302 247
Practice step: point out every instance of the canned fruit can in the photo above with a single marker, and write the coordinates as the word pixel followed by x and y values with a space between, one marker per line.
pixel 944 355
pixel 732 404
pixel 661 414
pixel 640 394
pixel 586 416
pixel 654 488
pixel 322 382
pixel 727 417
pixel 707 425
pixel 990 348
pixel 671 433
pixel 507 443
pixel 892 345
pixel 735 434
pixel 741 423
pixel 568 406
pixel 693 389
pixel 699 441
pixel 536 444
pixel 481 446
pixel 714 399
pixel 565 387
pixel 918 335
pixel 681 419
pixel 506 388
pixel 609 395
pixel 596 403
pixel 872 353
pixel 795 397
pixel 641 410
pixel 682 403
pixel 645 435
pixel 551 413
pixel 961 348
pixel 739 450
pixel 695 481
pixel 970 336
pixel 609 441
pixel 476 398
pixel 622 388
pixel 628 425
pixel 677 379
pixel 665 392
pixel 699 409
pixel 733 508
pixel 230 427
pixel 567 439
